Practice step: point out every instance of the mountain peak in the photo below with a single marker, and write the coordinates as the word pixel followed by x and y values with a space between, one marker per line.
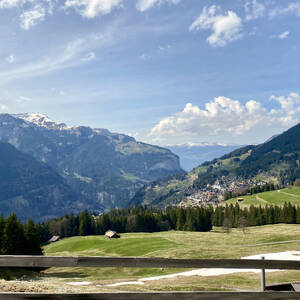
pixel 41 120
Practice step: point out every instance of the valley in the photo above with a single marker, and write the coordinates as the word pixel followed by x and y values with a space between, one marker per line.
pixel 270 165
pixel 103 170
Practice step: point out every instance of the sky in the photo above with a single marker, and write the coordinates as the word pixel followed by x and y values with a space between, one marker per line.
pixel 163 71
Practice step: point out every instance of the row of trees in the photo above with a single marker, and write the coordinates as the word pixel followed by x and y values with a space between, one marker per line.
pixel 150 220
pixel 252 190
pixel 234 216
pixel 134 219
pixel 19 239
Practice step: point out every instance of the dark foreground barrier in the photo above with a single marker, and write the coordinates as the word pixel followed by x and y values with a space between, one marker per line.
pixel 158 296
pixel 145 262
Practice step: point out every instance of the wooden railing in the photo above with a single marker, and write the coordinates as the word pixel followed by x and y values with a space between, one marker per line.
pixel 143 262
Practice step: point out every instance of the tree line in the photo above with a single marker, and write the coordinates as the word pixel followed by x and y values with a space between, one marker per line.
pixel 25 239
pixel 235 216
pixel 138 219
pixel 135 219
pixel 19 239
pixel 251 190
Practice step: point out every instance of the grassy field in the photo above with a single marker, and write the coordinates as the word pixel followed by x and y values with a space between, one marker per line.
pixel 175 244
pixel 270 198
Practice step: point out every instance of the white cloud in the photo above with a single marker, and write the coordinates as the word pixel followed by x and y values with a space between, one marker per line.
pixel 13 3
pixel 143 5
pixel 10 59
pixel 281 36
pixel 291 8
pixel 93 8
pixel 254 10
pixel 290 104
pixel 225 27
pixel 224 116
pixel 69 56
pixel 32 17
pixel 34 14
pixel 90 56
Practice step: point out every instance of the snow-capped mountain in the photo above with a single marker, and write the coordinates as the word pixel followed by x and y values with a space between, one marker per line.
pixel 41 120
pixel 105 168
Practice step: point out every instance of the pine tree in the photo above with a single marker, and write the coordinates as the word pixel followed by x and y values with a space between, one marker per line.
pixel 2 226
pixel 32 239
pixel 180 219
pixel 14 239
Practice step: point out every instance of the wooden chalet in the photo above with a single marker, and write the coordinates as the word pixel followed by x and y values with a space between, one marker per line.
pixel 54 239
pixel 111 234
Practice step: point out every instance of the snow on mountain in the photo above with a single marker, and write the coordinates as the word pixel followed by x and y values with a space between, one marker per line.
pixel 41 120
pixel 104 168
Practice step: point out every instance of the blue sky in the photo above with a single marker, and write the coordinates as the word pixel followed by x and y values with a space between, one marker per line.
pixel 164 71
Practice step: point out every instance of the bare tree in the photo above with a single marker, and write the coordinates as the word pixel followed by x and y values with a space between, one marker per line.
pixel 227 225
pixel 243 224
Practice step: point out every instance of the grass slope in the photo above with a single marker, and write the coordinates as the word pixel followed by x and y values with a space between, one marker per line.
pixel 176 244
pixel 270 198
pixel 180 244
pixel 99 245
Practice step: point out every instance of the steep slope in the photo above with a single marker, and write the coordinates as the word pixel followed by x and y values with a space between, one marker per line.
pixel 30 188
pixel 276 161
pixel 105 168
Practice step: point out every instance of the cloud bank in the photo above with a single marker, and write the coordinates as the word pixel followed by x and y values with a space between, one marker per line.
pixel 226 116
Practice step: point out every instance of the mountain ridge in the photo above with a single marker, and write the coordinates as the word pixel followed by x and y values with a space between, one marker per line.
pixel 104 168
pixel 275 161
pixel 32 189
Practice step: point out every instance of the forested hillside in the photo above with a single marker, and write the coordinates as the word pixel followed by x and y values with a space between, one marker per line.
pixel 104 169
pixel 275 161
pixel 32 189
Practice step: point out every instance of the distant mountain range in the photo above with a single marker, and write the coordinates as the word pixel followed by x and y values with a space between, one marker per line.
pixel 98 169
pixel 275 161
pixel 193 154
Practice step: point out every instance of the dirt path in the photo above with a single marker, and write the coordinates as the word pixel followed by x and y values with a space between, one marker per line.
pixel 293 195
pixel 262 200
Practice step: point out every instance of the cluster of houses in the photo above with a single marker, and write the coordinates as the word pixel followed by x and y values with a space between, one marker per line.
pixel 215 193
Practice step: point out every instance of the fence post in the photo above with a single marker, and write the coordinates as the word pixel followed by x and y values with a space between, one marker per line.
pixel 263 278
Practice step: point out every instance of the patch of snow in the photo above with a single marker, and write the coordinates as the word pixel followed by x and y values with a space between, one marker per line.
pixel 127 283
pixel 41 120
pixel 78 283
pixel 287 255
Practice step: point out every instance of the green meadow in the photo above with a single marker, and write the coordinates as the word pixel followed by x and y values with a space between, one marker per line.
pixel 278 197
pixel 175 244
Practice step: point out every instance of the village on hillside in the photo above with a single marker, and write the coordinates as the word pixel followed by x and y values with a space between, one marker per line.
pixel 222 189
